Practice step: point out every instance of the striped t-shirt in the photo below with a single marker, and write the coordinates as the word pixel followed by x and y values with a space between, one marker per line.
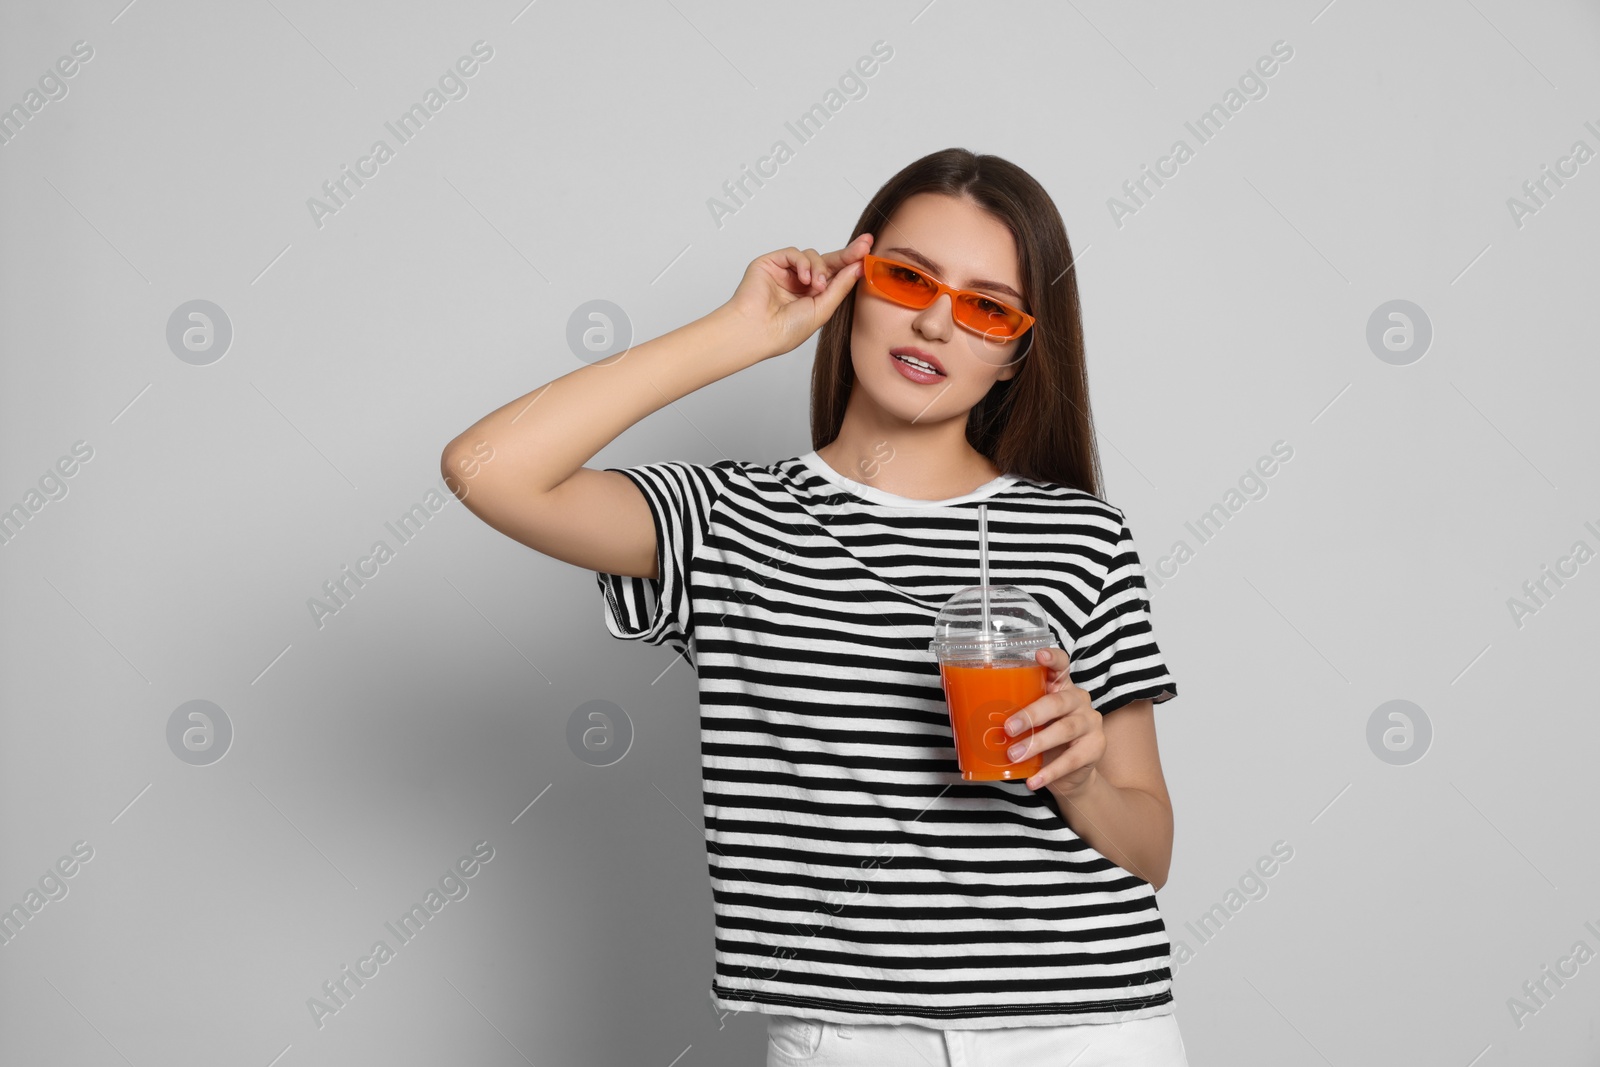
pixel 856 877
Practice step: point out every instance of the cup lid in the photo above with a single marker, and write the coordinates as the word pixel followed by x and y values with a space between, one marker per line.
pixel 1017 624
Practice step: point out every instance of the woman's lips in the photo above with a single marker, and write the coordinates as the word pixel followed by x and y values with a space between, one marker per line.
pixel 916 374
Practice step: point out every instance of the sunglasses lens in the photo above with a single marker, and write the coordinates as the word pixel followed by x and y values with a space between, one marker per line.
pixel 989 317
pixel 903 284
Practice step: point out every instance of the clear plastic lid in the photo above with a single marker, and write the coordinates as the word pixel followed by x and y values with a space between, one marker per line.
pixel 1017 625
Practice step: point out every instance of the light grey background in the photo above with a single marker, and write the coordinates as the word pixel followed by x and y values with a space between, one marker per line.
pixel 1228 313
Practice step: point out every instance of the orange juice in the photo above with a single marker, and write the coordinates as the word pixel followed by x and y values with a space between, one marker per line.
pixel 981 697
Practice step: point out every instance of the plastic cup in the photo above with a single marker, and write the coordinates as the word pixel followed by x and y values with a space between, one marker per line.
pixel 988 669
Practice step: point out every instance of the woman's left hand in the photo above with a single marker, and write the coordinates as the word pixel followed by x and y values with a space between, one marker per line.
pixel 1066 729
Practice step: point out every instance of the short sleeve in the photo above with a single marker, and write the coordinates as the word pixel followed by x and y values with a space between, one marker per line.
pixel 657 610
pixel 1116 659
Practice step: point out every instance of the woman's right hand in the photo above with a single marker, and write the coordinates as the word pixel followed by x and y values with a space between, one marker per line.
pixel 786 296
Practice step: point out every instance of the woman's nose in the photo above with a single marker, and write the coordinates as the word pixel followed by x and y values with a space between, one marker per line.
pixel 937 315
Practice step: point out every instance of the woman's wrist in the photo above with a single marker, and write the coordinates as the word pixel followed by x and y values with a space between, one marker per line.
pixel 744 336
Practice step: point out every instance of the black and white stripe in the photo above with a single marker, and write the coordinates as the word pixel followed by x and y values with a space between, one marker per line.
pixel 855 876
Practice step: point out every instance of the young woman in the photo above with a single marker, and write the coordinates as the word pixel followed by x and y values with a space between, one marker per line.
pixel 868 897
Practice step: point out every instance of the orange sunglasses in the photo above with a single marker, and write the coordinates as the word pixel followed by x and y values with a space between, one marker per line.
pixel 913 287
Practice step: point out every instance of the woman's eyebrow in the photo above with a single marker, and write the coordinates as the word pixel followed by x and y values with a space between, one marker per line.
pixel 913 254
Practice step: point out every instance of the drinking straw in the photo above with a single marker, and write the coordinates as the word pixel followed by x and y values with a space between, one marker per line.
pixel 983 570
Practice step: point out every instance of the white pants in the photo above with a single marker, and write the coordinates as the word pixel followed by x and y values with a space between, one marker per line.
pixel 1151 1042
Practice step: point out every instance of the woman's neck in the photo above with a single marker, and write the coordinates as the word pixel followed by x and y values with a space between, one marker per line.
pixel 918 471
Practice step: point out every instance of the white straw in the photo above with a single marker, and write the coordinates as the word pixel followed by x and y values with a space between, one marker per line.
pixel 983 568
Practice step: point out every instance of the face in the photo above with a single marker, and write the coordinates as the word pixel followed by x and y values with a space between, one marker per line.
pixel 960 244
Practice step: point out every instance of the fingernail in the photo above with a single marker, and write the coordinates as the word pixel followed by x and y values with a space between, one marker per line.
pixel 1017 750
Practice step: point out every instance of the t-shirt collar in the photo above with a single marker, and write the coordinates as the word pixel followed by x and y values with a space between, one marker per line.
pixel 877 496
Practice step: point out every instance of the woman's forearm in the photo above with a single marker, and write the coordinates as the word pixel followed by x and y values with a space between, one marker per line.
pixel 540 439
pixel 1129 827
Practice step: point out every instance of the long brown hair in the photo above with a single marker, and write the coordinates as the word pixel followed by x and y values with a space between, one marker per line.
pixel 1037 424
